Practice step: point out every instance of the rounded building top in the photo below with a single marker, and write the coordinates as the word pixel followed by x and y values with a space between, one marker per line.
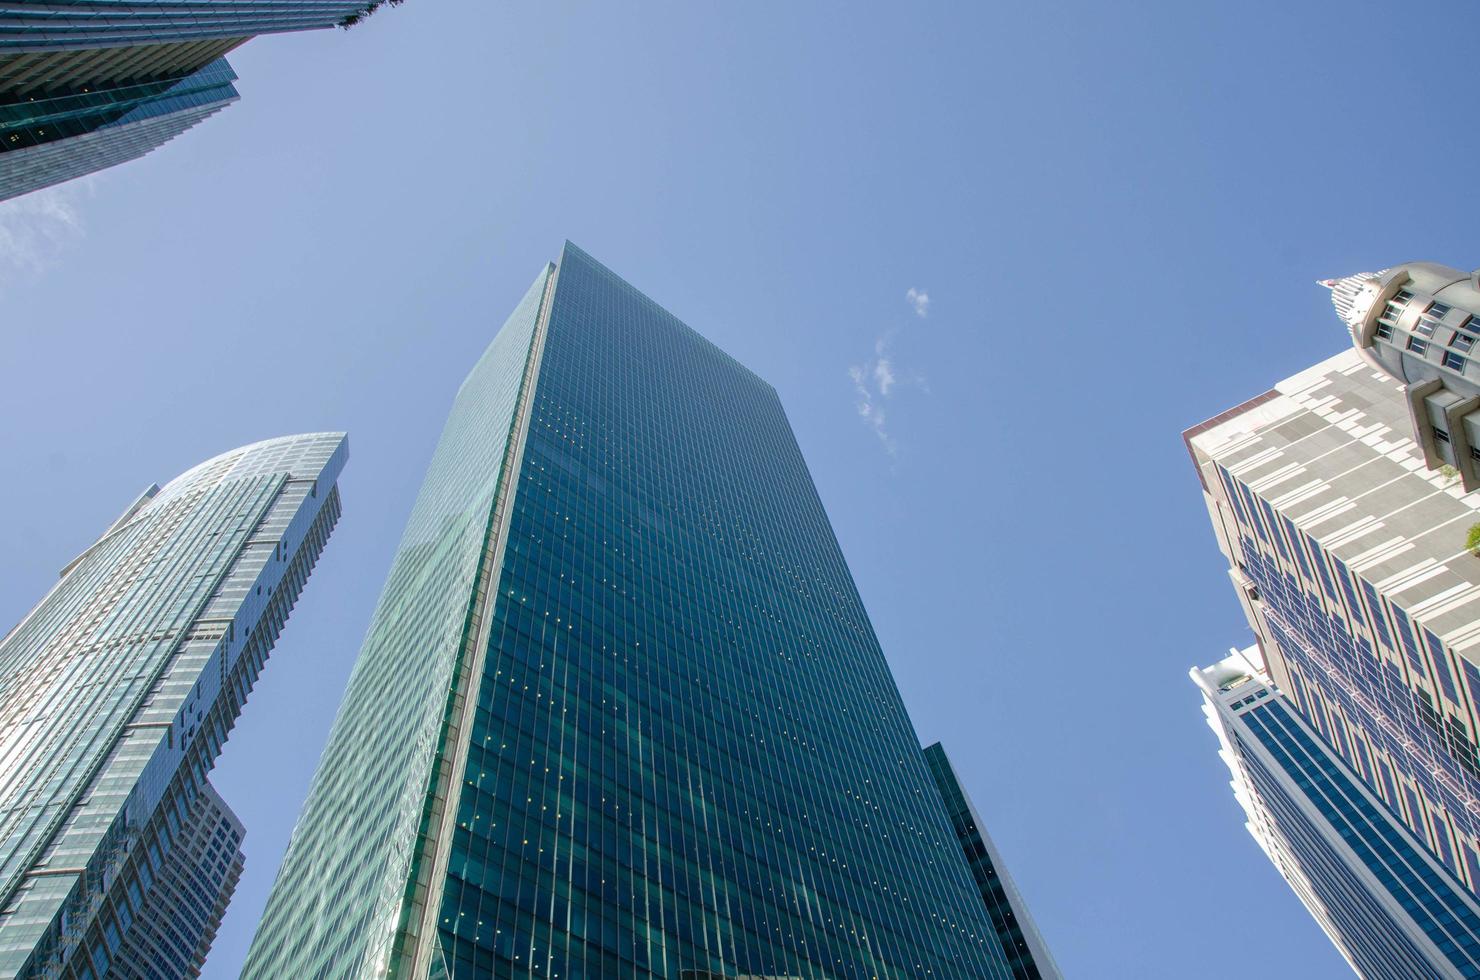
pixel 1416 321
pixel 1419 323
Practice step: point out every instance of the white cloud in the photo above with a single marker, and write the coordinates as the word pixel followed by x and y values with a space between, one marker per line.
pixel 868 407
pixel 883 367
pixel 875 380
pixel 37 229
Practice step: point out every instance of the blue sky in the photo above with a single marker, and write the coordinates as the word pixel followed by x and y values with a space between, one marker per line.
pixel 1117 213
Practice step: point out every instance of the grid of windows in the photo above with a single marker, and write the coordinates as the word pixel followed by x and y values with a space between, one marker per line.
pixel 1419 888
pixel 1016 933
pixel 1429 321
pixel 37 121
pixel 682 753
pixel 47 141
pixel 686 732
pixel 134 669
pixel 1346 681
pixel 366 811
pixel 50 25
pixel 89 84
pixel 173 928
pixel 1393 309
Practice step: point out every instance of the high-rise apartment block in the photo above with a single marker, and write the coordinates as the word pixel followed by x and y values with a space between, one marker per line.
pixel 1022 945
pixel 620 711
pixel 117 692
pixel 87 84
pixel 173 933
pixel 1342 501
pixel 1389 904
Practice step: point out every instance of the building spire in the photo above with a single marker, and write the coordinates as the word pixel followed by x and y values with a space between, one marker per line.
pixel 1352 295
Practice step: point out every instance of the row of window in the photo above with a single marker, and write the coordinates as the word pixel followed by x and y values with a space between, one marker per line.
pixel 1393 694
pixel 1442 435
pixel 1423 330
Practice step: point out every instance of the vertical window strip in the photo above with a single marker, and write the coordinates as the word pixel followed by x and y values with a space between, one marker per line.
pixel 1239 513
pixel 1274 529
pixel 1364 762
pixel 1410 646
pixel 1344 575
pixel 1253 511
pixel 1441 838
pixel 1302 697
pixel 1295 547
pixel 1389 789
pixel 1318 556
pixel 1339 734
pixel 1441 667
pixel 1415 812
pixel 1472 677
pixel 1374 604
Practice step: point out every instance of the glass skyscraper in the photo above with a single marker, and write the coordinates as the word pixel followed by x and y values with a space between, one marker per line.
pixel 1342 499
pixel 87 84
pixel 1022 945
pixel 50 140
pixel 117 692
pixel 620 711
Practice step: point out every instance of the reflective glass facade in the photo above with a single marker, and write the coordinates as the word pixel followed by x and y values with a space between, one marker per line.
pixel 48 140
pixel 1022 946
pixel 622 665
pixel 39 25
pixel 88 84
pixel 117 692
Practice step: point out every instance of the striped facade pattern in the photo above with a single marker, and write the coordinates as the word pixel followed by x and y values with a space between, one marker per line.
pixel 118 690
pixel 1022 945
pixel 92 56
pixel 184 908
pixel 48 25
pixel 1348 554
pixel 107 130
pixel 663 739
pixel 1386 902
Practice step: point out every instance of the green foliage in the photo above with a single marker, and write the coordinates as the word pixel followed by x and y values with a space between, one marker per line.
pixel 1448 472
pixel 1473 540
pixel 369 9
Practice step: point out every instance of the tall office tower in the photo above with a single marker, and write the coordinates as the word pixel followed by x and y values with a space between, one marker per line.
pixel 620 712
pixel 117 692
pixel 87 84
pixel 1342 501
pixel 1017 935
pixel 50 140
pixel 1391 907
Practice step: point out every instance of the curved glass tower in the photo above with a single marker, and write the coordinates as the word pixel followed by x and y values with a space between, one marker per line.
pixel 117 692
pixel 620 711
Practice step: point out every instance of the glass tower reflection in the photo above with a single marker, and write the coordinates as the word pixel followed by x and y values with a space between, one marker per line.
pixel 622 666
